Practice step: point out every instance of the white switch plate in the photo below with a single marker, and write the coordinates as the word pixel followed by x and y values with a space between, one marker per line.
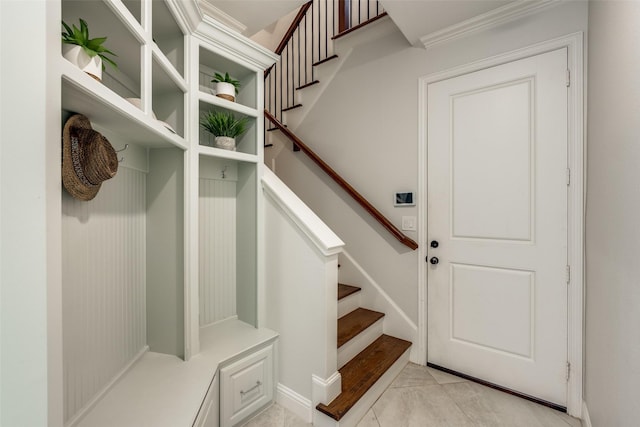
pixel 409 223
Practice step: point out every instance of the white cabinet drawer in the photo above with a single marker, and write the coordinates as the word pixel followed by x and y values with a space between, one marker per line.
pixel 246 386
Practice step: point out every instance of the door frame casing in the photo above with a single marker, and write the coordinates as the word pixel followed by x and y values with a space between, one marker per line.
pixel 576 199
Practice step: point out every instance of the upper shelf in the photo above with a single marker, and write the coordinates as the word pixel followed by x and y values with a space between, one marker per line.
pixel 211 63
pixel 227 105
pixel 82 94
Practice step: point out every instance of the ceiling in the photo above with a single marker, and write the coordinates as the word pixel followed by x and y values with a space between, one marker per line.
pixel 417 18
pixel 255 15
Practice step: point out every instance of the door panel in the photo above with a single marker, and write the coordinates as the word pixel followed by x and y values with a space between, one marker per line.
pixel 497 198
pixel 484 204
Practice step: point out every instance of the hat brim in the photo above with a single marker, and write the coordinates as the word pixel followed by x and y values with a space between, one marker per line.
pixel 70 179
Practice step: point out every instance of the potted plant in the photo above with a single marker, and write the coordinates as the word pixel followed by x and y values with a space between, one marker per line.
pixel 225 126
pixel 226 86
pixel 87 54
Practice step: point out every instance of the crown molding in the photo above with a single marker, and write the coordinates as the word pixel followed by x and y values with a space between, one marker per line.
pixel 220 16
pixel 491 19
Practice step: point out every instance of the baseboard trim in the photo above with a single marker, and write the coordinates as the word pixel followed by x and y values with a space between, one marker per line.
pixel 294 402
pixel 586 420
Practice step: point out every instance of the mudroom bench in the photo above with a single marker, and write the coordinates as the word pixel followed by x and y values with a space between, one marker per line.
pixel 228 381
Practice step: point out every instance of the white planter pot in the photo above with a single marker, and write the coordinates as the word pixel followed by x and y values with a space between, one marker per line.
pixel 78 57
pixel 226 143
pixel 226 91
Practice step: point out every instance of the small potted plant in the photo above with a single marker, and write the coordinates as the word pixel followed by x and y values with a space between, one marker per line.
pixel 226 86
pixel 87 54
pixel 225 126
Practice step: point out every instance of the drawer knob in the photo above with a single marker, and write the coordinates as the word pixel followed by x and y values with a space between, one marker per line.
pixel 243 392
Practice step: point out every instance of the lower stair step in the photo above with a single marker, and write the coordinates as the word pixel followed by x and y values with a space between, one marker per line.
pixel 362 372
pixel 355 322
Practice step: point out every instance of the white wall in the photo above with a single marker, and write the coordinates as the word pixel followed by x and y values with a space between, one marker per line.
pixel 613 212
pixel 365 126
pixel 30 335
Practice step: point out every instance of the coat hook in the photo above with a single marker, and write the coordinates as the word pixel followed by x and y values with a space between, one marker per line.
pixel 223 172
pixel 121 159
pixel 122 149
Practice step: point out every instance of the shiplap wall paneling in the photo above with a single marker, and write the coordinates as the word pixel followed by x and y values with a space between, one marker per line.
pixel 165 251
pixel 104 275
pixel 217 240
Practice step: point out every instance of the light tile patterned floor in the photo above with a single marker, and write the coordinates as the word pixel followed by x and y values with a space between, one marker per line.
pixel 424 397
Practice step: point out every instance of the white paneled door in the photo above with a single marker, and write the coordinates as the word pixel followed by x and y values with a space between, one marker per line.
pixel 497 197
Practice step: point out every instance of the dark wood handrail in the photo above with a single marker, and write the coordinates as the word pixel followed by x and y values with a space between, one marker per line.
pixel 402 238
pixel 292 28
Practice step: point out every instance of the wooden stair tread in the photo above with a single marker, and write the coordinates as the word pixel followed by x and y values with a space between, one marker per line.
pixel 361 372
pixel 292 107
pixel 325 60
pixel 355 322
pixel 346 290
pixel 315 82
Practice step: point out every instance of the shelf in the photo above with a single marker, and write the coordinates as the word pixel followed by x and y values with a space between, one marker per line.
pixel 167 35
pixel 227 105
pixel 124 37
pixel 227 154
pixel 82 94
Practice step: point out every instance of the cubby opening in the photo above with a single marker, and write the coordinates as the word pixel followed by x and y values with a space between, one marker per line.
pixel 168 35
pixel 122 270
pixel 227 241
pixel 211 63
pixel 246 143
pixel 167 99
pixel 124 80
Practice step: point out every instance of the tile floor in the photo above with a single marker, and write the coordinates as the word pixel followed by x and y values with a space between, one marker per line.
pixel 424 397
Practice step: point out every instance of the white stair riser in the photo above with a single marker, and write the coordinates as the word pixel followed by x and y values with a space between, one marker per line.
pixel 358 343
pixel 347 304
pixel 355 414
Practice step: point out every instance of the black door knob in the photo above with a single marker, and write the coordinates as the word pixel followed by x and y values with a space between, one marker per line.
pixel 434 260
pixel 434 244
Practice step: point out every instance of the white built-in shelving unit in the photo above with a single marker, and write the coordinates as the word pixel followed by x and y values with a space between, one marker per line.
pixel 161 278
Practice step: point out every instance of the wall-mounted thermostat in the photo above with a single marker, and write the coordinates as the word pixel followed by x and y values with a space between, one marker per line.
pixel 404 199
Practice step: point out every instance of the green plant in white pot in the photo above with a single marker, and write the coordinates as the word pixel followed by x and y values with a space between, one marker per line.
pixel 87 54
pixel 225 126
pixel 226 86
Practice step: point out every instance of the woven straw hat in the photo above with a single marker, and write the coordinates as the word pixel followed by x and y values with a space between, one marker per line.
pixel 88 158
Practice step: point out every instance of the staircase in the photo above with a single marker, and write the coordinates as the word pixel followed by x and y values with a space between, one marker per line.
pixel 310 56
pixel 368 360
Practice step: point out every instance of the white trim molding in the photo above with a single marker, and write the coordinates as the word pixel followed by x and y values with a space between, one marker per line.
pixel 576 198
pixel 327 242
pixel 294 402
pixel 216 13
pixel 493 18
